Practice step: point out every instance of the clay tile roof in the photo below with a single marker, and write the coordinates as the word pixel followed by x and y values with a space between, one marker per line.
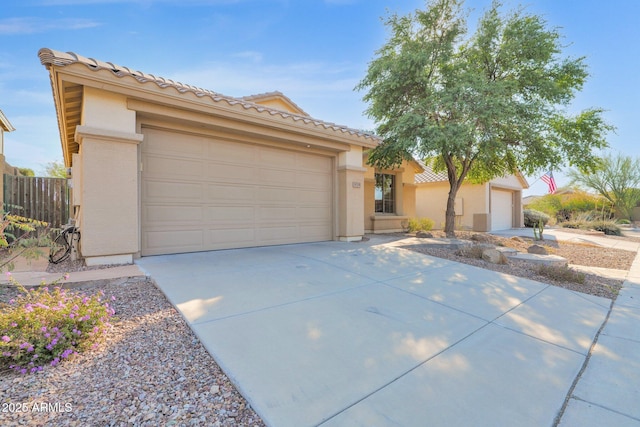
pixel 49 57
pixel 429 175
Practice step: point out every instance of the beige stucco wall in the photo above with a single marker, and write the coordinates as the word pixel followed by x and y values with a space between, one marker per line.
pixel 405 192
pixel 431 202
pixel 108 172
pixel 351 186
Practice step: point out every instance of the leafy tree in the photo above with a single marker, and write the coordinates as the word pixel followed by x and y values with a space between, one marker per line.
pixel 55 169
pixel 479 106
pixel 26 172
pixel 617 179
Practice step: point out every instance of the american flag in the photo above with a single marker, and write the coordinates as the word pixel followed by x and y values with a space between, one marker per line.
pixel 551 182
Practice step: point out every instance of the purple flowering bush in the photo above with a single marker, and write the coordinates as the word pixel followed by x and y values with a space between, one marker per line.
pixel 45 326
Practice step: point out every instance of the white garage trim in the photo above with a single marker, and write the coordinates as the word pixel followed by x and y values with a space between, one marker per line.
pixel 202 193
pixel 501 209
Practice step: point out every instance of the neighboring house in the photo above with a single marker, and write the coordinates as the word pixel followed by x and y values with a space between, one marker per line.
pixel 495 205
pixel 390 197
pixel 161 167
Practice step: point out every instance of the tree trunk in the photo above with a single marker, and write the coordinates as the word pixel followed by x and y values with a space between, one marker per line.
pixel 450 215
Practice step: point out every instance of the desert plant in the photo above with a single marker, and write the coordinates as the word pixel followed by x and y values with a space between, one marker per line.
pixel 538 229
pixel 420 224
pixel 532 217
pixel 562 273
pixel 44 327
pixel 623 221
pixel 34 235
pixel 609 228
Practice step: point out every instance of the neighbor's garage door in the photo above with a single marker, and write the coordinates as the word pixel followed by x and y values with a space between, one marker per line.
pixel 501 209
pixel 201 194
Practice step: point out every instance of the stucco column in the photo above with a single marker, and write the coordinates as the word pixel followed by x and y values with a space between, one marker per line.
pixel 350 195
pixel 109 196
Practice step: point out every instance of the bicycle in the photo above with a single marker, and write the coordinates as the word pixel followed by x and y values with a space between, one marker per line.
pixel 63 244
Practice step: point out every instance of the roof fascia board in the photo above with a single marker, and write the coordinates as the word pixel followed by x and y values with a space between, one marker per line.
pixel 154 113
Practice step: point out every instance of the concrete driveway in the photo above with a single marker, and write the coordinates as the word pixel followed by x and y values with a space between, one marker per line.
pixel 368 334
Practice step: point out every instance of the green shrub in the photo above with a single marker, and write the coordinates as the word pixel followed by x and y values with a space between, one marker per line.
pixel 608 227
pixel 420 224
pixel 533 217
pixel 624 221
pixel 43 327
pixel 563 273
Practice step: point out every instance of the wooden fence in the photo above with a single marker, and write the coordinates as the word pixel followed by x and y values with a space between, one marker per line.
pixel 44 199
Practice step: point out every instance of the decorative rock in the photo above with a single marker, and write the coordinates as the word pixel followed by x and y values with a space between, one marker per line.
pixel 517 239
pixel 506 251
pixel 480 238
pixel 553 260
pixel 537 249
pixel 494 256
pixel 424 235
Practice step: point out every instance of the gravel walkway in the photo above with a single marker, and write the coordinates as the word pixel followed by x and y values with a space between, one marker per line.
pixel 151 371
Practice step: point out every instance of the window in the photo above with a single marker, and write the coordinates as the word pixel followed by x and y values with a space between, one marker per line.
pixel 385 194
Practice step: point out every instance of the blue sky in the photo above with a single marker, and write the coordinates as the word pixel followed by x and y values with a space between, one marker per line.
pixel 314 51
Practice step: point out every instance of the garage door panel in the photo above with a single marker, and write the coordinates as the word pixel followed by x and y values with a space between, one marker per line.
pixel 168 214
pixel 279 213
pixel 275 176
pixel 229 214
pixel 277 233
pixel 228 173
pixel 313 180
pixel 313 164
pixel 235 195
pixel 231 152
pixel 158 141
pixel 155 166
pixel 230 193
pixel 159 242
pixel 316 213
pixel 314 197
pixel 222 238
pixel 276 194
pixel 171 191
pixel 284 159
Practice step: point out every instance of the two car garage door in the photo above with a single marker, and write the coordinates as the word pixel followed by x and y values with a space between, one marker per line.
pixel 200 193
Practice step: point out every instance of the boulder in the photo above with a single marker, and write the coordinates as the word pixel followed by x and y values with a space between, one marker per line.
pixel 482 238
pixel 518 239
pixel 424 235
pixel 494 256
pixel 537 249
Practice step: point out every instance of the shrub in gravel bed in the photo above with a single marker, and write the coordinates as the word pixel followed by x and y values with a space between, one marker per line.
pixel 565 274
pixel 44 327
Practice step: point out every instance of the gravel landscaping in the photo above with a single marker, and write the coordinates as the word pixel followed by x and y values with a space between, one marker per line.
pixel 575 253
pixel 152 370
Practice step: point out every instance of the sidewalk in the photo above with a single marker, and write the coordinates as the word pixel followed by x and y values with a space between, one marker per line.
pixel 607 392
pixel 34 272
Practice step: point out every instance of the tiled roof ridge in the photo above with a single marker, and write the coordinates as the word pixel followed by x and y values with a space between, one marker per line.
pixel 429 175
pixel 53 57
pixel 274 93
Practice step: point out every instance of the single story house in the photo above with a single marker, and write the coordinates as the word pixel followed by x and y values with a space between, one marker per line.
pixel 494 205
pixel 161 167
